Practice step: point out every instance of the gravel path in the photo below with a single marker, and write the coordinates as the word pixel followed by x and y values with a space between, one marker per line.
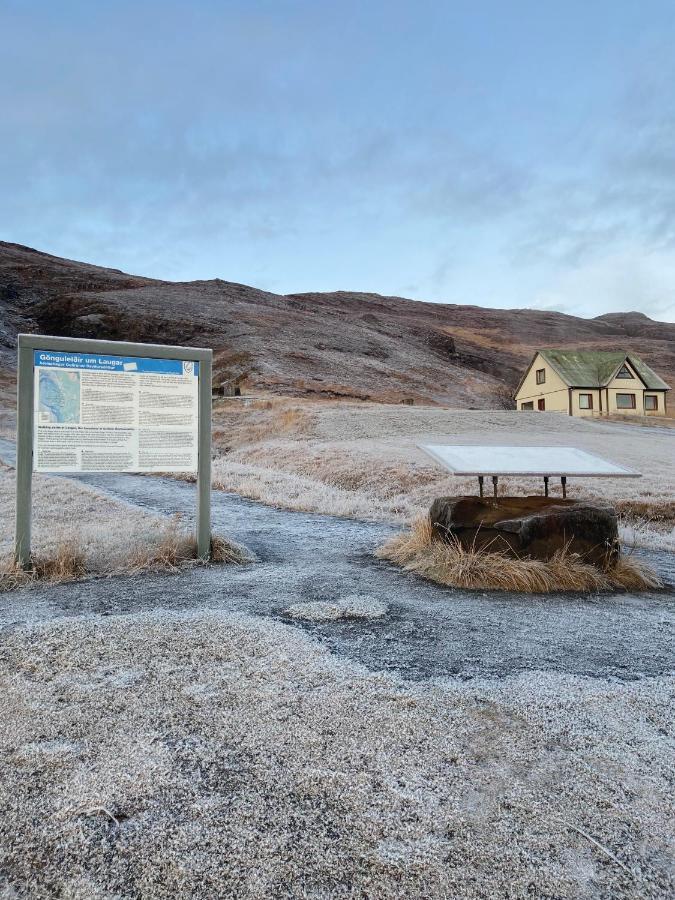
pixel 428 630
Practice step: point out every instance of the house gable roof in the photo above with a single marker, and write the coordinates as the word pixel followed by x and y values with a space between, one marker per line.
pixel 649 376
pixel 596 368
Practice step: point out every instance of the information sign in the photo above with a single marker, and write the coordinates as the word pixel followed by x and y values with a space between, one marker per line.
pixel 111 406
pixel 102 413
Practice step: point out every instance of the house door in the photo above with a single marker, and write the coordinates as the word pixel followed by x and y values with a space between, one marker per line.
pixel 541 404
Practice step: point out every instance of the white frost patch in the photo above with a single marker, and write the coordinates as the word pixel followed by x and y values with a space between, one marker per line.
pixel 49 749
pixel 107 531
pixel 647 538
pixel 304 768
pixel 355 607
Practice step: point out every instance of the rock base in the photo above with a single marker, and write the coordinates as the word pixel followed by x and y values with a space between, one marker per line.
pixel 529 526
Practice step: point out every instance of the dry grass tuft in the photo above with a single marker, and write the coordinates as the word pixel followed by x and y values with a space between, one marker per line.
pixel 13 577
pixel 66 563
pixel 224 551
pixel 648 511
pixel 177 548
pixel 632 575
pixel 174 549
pixel 451 564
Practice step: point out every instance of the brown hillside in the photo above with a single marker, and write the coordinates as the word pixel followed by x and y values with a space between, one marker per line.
pixel 330 344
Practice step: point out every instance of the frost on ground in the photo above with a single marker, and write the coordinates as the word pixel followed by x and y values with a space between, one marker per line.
pixel 353 607
pixel 105 529
pixel 640 534
pixel 76 530
pixel 245 760
pixel 362 460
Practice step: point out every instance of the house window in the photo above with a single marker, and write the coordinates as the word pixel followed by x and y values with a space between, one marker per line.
pixel 541 404
pixel 625 401
pixel 651 402
pixel 541 376
pixel 624 372
pixel 585 401
pixel 528 405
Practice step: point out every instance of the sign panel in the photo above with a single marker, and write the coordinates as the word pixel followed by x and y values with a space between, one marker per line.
pixel 536 461
pixel 95 412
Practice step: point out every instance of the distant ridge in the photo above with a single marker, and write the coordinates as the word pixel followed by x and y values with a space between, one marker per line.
pixel 339 344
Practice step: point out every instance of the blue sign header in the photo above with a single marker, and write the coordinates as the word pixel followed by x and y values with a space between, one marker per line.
pixel 103 363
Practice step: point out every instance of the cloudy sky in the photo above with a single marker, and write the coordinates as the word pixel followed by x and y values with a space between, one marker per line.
pixel 511 154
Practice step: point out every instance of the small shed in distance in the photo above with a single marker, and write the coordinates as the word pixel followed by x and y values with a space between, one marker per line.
pixel 226 389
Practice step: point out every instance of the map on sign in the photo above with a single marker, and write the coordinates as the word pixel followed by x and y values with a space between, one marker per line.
pixel 104 413
pixel 59 396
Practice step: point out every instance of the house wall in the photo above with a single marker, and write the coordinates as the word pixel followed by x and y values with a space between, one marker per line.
pixel 626 386
pixel 639 403
pixel 557 395
pixel 660 403
pixel 554 390
pixel 598 401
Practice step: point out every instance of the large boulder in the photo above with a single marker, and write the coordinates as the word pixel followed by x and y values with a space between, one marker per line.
pixel 529 526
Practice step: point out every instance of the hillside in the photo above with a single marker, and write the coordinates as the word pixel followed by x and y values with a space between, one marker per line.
pixel 340 344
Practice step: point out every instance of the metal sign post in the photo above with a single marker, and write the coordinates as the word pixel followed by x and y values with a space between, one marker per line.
pixel 106 406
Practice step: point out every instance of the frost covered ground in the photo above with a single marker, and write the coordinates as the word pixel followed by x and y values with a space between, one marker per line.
pixel 193 736
pixel 244 760
pixel 362 460
pixel 107 530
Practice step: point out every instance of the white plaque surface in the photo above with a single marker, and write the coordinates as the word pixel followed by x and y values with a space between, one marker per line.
pixel 535 461
pixel 98 412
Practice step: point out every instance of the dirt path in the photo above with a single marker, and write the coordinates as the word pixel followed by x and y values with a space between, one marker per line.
pixel 428 631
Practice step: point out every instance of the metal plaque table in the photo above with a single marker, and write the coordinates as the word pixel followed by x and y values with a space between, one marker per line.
pixel 538 462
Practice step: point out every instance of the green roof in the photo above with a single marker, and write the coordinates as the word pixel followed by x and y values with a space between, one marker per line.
pixel 596 368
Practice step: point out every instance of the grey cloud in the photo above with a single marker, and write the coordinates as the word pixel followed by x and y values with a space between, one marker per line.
pixel 622 189
pixel 116 144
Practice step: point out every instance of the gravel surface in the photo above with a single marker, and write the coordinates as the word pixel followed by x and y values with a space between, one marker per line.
pixel 350 608
pixel 428 630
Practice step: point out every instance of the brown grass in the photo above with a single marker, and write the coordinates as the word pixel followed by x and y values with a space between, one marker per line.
pixel 451 564
pixel 643 421
pixel 175 550
pixel 632 575
pixel 224 551
pixel 66 563
pixel 237 426
pixel 649 511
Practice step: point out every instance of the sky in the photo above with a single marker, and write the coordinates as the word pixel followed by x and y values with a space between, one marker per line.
pixel 504 154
